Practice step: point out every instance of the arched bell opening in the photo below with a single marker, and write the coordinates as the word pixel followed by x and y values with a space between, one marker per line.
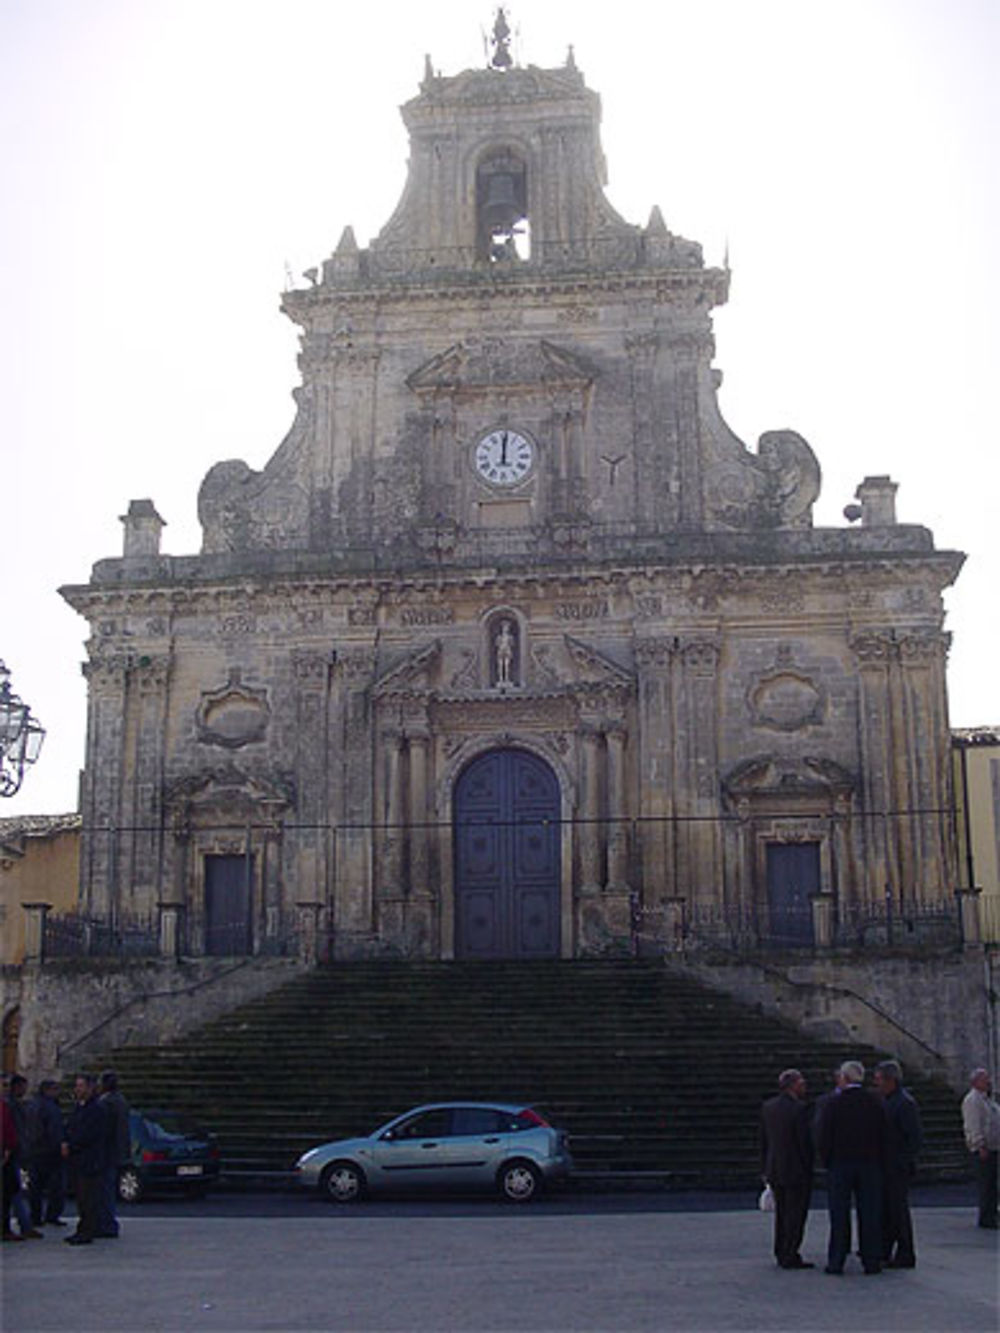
pixel 503 229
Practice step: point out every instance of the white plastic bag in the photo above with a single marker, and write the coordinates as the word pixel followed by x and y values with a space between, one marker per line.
pixel 766 1201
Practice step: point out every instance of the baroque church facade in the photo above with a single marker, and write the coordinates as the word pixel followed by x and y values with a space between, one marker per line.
pixel 513 649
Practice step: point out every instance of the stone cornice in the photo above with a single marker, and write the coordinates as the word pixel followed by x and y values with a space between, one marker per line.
pixel 338 592
pixel 304 305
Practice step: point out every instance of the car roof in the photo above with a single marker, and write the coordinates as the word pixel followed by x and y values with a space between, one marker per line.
pixel 512 1107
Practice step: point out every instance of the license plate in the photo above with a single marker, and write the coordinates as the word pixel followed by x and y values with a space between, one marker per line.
pixel 189 1170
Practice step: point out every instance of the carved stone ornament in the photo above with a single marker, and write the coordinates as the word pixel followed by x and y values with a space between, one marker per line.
pixel 231 789
pixel 783 776
pixel 481 364
pixel 785 700
pixel 412 674
pixel 234 715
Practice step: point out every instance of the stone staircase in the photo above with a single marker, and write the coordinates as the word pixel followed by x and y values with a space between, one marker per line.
pixel 649 1072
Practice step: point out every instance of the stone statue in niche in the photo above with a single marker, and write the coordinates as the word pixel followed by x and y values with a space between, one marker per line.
pixel 505 654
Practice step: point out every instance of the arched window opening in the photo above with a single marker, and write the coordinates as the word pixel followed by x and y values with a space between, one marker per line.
pixel 503 232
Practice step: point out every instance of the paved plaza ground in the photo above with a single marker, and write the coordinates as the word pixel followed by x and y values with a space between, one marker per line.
pixel 605 1264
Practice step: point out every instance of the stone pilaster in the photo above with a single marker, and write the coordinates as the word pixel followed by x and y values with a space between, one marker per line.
pixel 873 652
pixel 100 850
pixel 700 841
pixel 353 807
pixel 617 841
pixel 657 785
pixel 419 741
pixel 590 832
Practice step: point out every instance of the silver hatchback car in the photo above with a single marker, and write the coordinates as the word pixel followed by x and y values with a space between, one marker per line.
pixel 445 1145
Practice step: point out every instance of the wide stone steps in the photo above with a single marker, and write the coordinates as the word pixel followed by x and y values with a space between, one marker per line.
pixel 646 1070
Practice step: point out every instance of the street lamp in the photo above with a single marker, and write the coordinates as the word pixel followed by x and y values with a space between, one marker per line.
pixel 21 736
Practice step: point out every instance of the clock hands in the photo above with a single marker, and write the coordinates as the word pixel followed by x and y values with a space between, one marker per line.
pixel 503 449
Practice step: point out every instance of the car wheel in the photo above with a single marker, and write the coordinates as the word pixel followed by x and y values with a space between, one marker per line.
pixel 519 1182
pixel 130 1189
pixel 342 1182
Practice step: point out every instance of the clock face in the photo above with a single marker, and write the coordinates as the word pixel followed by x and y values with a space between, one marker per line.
pixel 504 457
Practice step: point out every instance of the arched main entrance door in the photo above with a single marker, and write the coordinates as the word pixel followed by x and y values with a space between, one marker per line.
pixel 507 857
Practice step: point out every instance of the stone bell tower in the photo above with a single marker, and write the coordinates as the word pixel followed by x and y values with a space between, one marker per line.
pixel 513 645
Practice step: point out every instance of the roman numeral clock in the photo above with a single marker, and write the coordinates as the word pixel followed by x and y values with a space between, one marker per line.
pixel 503 457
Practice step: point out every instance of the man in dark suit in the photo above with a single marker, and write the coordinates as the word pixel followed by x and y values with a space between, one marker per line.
pixel 852 1138
pixel 786 1164
pixel 906 1138
pixel 86 1138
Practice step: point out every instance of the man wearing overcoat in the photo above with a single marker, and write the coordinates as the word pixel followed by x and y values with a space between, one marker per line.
pixel 851 1138
pixel 787 1165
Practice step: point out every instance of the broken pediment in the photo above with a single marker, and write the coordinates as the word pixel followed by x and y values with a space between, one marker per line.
pixel 480 364
pixel 594 667
pixel 230 788
pixel 786 776
pixel 410 675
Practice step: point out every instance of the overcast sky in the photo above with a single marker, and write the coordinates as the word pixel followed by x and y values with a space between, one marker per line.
pixel 166 163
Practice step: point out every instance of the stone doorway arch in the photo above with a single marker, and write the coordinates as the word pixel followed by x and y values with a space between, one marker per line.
pixel 507 857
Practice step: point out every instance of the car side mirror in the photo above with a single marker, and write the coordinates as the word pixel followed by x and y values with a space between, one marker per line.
pixel 388 1136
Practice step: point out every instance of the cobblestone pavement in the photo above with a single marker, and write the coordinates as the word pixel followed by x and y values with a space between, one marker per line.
pixel 485 1269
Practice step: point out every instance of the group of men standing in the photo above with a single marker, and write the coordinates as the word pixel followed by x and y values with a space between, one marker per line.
pixel 868 1141
pixel 92 1143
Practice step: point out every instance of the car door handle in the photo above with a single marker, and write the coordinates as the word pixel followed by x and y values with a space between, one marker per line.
pixel 429 1145
pixel 495 1139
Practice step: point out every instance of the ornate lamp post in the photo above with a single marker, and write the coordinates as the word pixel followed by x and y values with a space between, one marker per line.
pixel 21 736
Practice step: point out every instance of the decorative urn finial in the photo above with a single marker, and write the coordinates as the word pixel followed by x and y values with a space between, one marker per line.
pixel 502 58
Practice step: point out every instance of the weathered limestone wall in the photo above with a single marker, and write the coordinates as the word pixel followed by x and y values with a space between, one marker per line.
pixel 70 1010
pixel 936 1014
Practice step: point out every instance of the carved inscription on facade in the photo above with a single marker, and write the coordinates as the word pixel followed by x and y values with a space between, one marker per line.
pixel 594 609
pixel 427 615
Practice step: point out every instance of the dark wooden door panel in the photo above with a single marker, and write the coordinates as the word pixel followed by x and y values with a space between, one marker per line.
pixel 507 858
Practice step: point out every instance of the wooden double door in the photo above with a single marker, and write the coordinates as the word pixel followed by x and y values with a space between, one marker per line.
pixel 507 857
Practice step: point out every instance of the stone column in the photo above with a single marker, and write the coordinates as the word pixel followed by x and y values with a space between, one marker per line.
pixel 590 834
pixel 614 736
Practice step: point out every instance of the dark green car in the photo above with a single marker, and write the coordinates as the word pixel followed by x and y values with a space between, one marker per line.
pixel 169 1152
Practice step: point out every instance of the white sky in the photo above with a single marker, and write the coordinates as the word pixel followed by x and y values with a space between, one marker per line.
pixel 163 160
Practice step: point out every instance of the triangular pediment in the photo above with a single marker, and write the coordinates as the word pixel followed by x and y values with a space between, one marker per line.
pixel 480 364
